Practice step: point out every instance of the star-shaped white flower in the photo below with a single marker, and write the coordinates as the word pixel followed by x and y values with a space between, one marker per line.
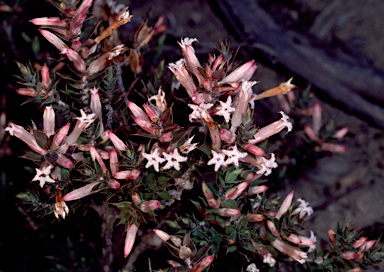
pixel 234 155
pixel 86 118
pixel 43 175
pixel 218 160
pixel 226 109
pixel 266 165
pixel 153 159
pixel 198 110
pixel 173 160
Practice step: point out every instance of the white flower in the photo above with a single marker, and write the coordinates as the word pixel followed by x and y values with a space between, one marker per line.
pixel 218 160
pixel 252 268
pixel 269 260
pixel 226 109
pixel 234 155
pixel 86 118
pixel 173 160
pixel 304 209
pixel 198 110
pixel 266 165
pixel 43 175
pixel 313 238
pixel 153 159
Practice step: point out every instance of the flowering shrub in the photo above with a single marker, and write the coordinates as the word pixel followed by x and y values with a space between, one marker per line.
pixel 152 150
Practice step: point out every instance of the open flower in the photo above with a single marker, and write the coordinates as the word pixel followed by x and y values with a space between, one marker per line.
pixel 154 159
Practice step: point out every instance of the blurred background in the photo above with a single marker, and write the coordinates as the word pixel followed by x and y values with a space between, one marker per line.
pixel 333 47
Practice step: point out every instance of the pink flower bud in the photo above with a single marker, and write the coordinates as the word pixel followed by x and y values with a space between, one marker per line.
pixel 236 191
pixel 257 190
pixel 254 149
pixel 136 199
pixel 114 184
pixel 242 73
pixel 147 126
pixel 27 92
pixel 48 21
pixel 95 102
pixel 166 137
pixel 151 113
pixel 335 148
pixel 368 245
pixel 75 58
pixel 49 121
pixel 228 212
pixel 316 118
pixel 116 141
pixel 64 161
pixel 310 133
pixel 341 133
pixel 293 238
pixel 150 205
pixel 60 135
pixel 252 176
pixel 76 45
pixel 256 217
pixel 53 39
pixel 207 193
pixel 98 64
pixel 285 205
pixel 45 78
pixel 162 235
pixel 96 156
pixel 359 242
pixel 349 255
pixel 227 136
pixel 203 264
pixel 137 111
pixel 130 239
pixel 272 228
pixel 80 192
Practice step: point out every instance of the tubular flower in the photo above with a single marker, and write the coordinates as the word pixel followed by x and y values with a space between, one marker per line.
pixel 242 73
pixel 293 252
pixel 272 129
pixel 190 58
pixel 180 71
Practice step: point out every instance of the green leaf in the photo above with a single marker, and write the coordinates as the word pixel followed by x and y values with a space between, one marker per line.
pixel 231 248
pixel 173 224
pixel 164 195
pixel 123 204
pixel 229 203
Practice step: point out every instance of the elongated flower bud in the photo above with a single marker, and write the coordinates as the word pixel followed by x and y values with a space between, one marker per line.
pixel 49 121
pixel 257 190
pixel 149 205
pixel 48 21
pixel 45 78
pixel 162 235
pixel 242 73
pixel 130 239
pixel 236 191
pixel 228 212
pixel 254 149
pixel 113 162
pixel 117 142
pixel 80 192
pixel 53 39
pixel 285 205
